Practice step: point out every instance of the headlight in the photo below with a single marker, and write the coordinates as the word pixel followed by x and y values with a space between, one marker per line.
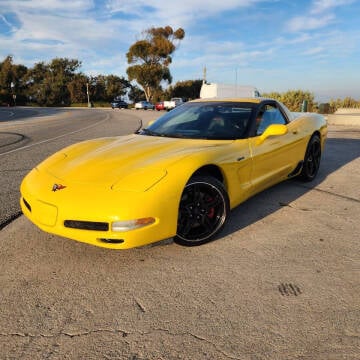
pixel 128 225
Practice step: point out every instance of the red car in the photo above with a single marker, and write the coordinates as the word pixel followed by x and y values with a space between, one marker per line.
pixel 159 106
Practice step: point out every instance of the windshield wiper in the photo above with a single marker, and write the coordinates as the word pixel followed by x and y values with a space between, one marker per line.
pixel 149 132
pixel 217 137
pixel 139 128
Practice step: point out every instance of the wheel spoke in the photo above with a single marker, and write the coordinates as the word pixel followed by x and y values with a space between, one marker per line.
pixel 316 157
pixel 312 159
pixel 188 225
pixel 316 163
pixel 197 194
pixel 208 223
pixel 310 164
pixel 201 213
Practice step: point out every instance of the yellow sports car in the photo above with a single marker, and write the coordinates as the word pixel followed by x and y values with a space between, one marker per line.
pixel 179 177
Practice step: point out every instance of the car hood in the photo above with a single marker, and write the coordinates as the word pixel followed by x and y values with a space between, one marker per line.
pixel 134 162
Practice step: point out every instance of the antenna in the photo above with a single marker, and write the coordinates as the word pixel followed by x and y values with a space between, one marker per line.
pixel 236 82
pixel 204 75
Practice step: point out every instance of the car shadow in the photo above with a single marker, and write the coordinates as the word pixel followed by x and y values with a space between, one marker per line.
pixel 338 152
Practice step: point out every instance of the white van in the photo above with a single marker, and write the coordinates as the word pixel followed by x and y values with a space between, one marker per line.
pixel 209 91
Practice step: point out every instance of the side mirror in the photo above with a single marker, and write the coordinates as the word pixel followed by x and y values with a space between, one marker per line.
pixel 273 130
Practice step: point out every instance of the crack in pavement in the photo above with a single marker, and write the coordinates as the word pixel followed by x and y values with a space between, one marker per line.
pixel 329 193
pixel 123 334
pixel 65 333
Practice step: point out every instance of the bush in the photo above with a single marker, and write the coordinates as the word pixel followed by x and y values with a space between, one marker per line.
pixel 293 99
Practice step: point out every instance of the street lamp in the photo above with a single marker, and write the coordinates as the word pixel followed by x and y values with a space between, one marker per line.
pixel 12 86
pixel 87 92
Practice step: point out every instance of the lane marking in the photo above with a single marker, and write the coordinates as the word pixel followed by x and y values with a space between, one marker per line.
pixel 55 138
pixel 11 113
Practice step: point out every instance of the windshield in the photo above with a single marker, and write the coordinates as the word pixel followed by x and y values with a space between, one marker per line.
pixel 204 120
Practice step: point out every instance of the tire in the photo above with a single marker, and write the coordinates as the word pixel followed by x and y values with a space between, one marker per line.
pixel 311 160
pixel 203 210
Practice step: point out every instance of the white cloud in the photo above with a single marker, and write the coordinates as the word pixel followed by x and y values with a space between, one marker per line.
pixel 305 23
pixel 50 35
pixel 74 7
pixel 319 15
pixel 314 51
pixel 321 6
pixel 179 13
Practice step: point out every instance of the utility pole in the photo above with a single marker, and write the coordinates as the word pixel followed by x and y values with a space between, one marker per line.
pixel 87 92
pixel 236 81
pixel 12 86
pixel 204 75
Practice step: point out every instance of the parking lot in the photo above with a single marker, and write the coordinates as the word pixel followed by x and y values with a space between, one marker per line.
pixel 281 282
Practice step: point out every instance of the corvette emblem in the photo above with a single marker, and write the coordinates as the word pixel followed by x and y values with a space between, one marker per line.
pixel 58 187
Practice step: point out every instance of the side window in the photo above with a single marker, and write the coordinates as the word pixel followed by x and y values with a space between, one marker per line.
pixel 268 115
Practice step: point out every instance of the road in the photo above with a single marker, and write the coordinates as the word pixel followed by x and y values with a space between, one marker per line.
pixel 281 282
pixel 28 135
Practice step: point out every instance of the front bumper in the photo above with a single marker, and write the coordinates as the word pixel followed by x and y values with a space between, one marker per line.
pixel 85 213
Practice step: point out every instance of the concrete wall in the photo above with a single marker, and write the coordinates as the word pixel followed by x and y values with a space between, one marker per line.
pixel 344 119
pixel 347 111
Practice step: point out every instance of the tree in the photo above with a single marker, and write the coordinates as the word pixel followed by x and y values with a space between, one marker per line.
pixel 49 82
pixel 61 72
pixel 6 72
pixel 135 93
pixel 36 83
pixel 188 89
pixel 5 80
pixel 151 57
pixel 115 86
pixel 11 81
pixel 77 88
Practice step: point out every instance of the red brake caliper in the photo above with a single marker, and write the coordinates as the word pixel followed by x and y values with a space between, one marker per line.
pixel 211 212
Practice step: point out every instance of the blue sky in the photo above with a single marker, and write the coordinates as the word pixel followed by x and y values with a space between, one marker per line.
pixel 275 45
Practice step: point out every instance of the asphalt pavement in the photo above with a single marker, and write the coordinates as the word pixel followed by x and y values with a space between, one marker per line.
pixel 281 282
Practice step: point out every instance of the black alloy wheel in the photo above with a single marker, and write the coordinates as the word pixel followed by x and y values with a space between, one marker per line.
pixel 312 159
pixel 204 208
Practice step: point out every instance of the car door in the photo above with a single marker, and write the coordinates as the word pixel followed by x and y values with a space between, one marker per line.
pixel 273 157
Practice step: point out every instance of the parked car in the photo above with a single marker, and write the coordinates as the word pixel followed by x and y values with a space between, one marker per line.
pixel 144 105
pixel 178 177
pixel 160 106
pixel 173 103
pixel 120 104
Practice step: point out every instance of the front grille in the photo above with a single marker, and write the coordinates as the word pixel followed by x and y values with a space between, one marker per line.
pixel 86 225
pixel 27 204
